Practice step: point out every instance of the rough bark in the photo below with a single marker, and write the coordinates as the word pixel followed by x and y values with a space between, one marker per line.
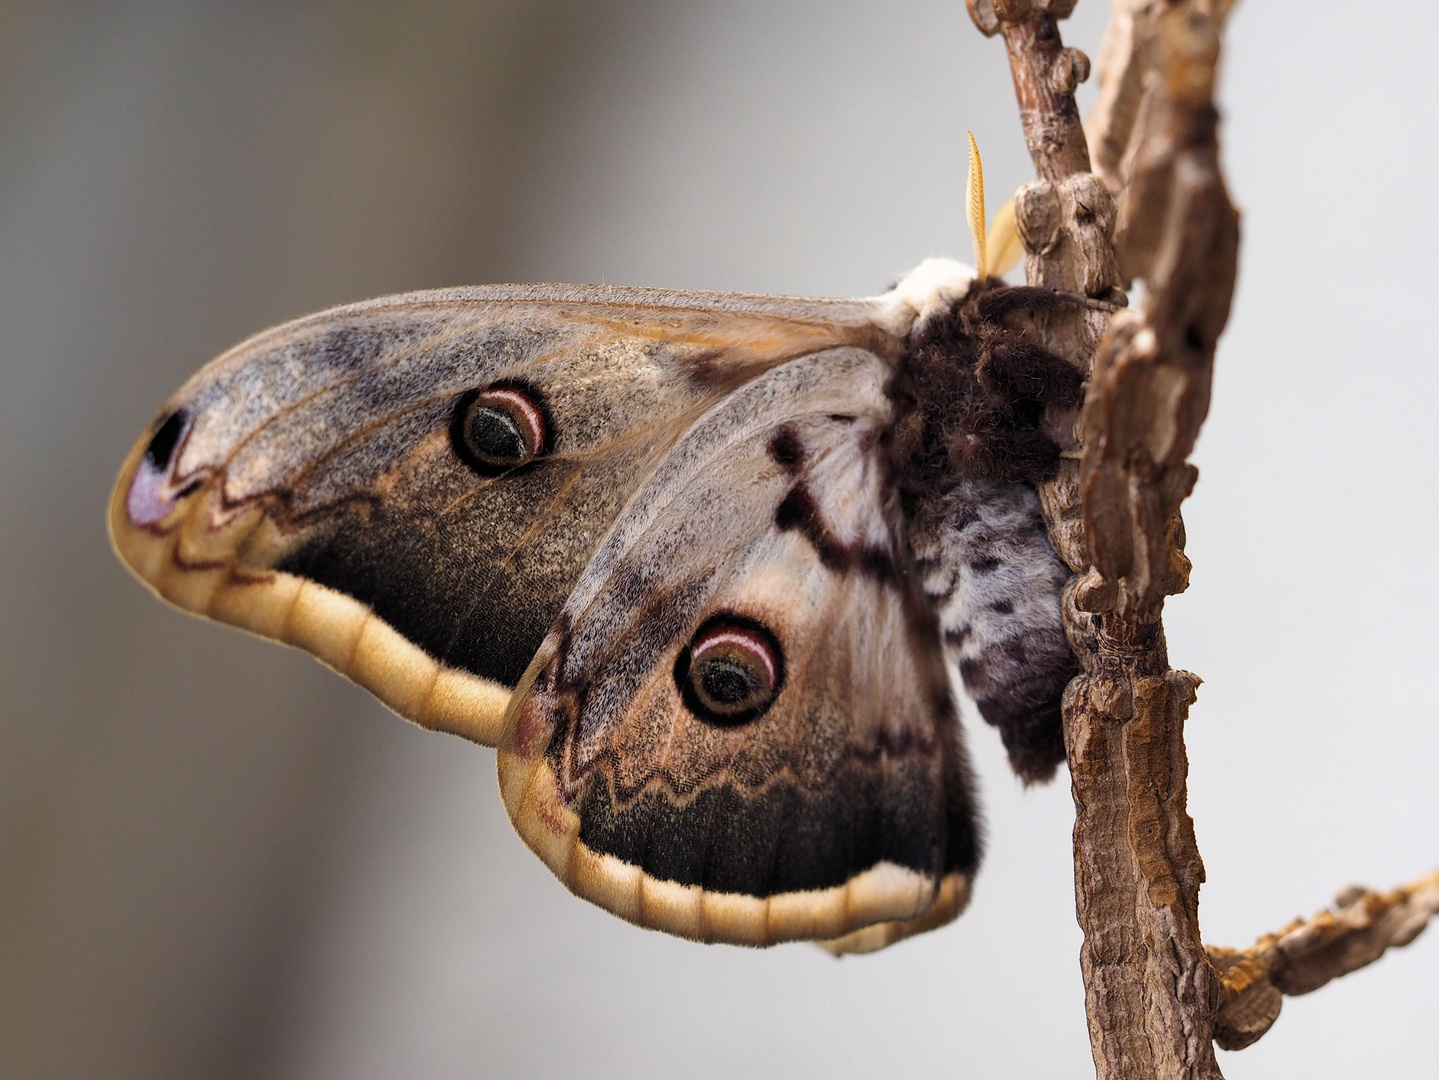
pixel 1151 993
pixel 1154 209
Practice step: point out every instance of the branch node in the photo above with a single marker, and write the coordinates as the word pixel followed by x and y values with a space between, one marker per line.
pixel 1067 225
pixel 1095 593
pixel 991 15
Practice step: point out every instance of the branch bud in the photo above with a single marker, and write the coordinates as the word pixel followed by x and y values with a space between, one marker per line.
pixel 1070 69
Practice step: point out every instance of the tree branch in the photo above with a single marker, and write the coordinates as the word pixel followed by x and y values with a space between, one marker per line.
pixel 1157 211
pixel 1304 956
pixel 1151 994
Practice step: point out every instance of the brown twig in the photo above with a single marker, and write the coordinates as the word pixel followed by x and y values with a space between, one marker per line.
pixel 1122 88
pixel 1304 956
pixel 1151 993
pixel 1157 211
pixel 1121 93
pixel 1045 75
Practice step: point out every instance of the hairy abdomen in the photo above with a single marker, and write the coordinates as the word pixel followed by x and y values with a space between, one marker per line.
pixel 995 582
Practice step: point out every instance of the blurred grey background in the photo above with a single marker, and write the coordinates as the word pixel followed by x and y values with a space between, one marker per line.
pixel 218 859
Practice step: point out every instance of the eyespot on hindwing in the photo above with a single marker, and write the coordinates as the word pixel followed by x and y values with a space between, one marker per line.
pixel 731 671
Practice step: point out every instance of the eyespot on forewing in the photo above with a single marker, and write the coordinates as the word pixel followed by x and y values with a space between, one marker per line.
pixel 500 427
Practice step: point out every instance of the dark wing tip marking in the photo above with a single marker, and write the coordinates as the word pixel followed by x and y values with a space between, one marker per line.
pixel 167 436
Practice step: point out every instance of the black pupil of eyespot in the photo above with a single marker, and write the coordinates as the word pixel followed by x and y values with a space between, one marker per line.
pixel 162 444
pixel 495 435
pixel 727 681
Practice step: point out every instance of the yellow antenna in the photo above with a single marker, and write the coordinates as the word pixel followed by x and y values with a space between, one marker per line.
pixel 974 203
pixel 1002 244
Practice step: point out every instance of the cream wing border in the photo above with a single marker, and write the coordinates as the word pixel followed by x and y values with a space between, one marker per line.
pixel 194 564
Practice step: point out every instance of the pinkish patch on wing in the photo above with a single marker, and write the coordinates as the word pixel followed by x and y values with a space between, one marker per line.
pixel 147 501
pixel 151 496
pixel 531 731
pixel 549 817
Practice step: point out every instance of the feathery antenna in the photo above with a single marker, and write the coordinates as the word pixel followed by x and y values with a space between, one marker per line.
pixel 974 203
pixel 1002 245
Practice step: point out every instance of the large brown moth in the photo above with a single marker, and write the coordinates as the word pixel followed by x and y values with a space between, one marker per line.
pixel 705 567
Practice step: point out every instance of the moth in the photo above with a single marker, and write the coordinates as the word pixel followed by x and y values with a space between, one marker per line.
pixel 706 568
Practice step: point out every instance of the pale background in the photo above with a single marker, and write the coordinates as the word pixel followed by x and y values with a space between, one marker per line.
pixel 219 860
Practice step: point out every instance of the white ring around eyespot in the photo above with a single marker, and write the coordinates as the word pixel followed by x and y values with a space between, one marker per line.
pixel 533 418
pixel 744 638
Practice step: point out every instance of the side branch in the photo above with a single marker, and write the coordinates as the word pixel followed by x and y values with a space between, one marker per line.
pixel 1304 956
pixel 1045 75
